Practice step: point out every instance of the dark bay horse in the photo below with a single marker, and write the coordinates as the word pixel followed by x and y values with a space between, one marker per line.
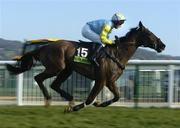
pixel 57 58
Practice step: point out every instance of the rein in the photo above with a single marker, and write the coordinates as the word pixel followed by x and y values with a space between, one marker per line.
pixel 114 59
pixel 120 65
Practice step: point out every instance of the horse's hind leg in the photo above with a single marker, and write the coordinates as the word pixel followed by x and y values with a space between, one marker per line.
pixel 39 79
pixel 113 88
pixel 56 84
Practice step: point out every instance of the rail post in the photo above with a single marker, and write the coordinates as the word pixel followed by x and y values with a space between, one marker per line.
pixel 171 85
pixel 20 89
pixel 136 87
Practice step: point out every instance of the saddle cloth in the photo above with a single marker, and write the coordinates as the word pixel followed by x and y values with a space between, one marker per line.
pixel 84 52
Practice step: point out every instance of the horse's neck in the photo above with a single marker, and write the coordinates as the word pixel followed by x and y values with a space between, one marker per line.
pixel 125 51
pixel 127 48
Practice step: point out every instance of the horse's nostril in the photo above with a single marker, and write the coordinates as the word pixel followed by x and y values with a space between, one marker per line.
pixel 163 46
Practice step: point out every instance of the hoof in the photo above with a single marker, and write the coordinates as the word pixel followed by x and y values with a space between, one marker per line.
pixel 96 104
pixel 71 103
pixel 47 103
pixel 68 109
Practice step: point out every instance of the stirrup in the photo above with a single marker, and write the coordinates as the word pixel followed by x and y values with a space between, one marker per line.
pixel 95 61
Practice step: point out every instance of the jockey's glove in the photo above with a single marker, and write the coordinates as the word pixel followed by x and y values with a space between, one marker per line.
pixel 113 42
pixel 116 39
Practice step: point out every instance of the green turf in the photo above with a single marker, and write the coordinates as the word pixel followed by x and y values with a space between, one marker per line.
pixel 90 117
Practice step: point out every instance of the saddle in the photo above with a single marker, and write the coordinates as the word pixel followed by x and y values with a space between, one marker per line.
pixel 85 50
pixel 90 45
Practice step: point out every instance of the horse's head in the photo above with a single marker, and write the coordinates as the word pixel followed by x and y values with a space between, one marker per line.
pixel 147 39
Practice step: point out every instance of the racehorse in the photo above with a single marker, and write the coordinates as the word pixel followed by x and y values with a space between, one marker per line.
pixel 57 58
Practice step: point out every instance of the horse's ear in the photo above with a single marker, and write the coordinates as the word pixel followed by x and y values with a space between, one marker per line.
pixel 140 25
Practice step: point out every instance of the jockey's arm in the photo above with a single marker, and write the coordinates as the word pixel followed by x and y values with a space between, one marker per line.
pixel 104 35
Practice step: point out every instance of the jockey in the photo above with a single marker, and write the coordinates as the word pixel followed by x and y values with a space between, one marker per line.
pixel 98 31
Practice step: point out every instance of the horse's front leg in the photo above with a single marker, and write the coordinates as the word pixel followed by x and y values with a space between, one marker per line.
pixel 113 88
pixel 94 92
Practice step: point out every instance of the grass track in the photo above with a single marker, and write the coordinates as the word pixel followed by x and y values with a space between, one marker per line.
pixel 90 117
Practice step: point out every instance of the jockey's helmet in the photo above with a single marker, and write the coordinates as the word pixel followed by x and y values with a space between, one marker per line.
pixel 118 19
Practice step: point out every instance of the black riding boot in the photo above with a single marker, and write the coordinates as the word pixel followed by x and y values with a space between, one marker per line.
pixel 94 55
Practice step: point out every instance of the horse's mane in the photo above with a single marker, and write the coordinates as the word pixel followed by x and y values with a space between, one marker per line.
pixel 124 39
pixel 128 34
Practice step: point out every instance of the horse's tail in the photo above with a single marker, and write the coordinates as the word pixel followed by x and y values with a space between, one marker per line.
pixel 23 64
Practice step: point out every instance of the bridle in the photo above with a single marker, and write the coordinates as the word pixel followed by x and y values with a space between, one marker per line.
pixel 140 43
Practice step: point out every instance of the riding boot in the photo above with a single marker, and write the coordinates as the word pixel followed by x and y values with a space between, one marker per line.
pixel 94 55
